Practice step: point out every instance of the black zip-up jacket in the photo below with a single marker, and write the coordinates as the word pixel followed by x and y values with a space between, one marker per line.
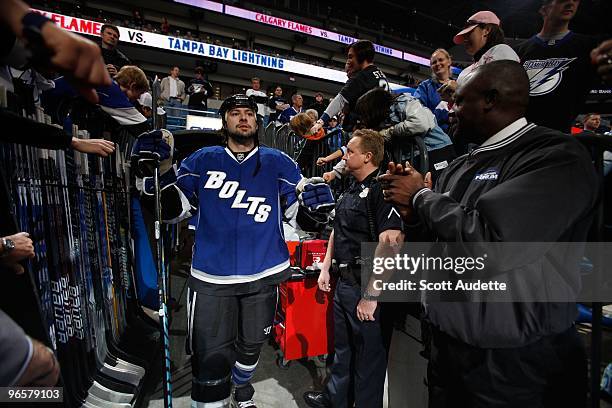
pixel 536 185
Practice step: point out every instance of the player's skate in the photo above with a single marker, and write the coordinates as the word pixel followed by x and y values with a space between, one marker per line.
pixel 242 397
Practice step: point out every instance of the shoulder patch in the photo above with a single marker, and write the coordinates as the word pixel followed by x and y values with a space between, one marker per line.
pixel 393 211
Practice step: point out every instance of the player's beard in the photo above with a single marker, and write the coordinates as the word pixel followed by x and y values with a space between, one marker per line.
pixel 241 138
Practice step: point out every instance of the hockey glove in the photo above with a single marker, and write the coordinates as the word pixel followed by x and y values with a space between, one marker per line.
pixel 146 185
pixel 315 195
pixel 150 150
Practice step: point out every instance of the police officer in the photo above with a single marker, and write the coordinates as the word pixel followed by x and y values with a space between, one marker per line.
pixel 360 362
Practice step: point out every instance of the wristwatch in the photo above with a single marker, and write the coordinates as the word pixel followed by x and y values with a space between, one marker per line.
pixel 32 25
pixel 367 296
pixel 8 245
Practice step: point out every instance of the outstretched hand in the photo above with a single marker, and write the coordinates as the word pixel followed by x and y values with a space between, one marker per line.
pixel 100 147
pixel 78 58
pixel 329 176
pixel 316 127
pixel 447 91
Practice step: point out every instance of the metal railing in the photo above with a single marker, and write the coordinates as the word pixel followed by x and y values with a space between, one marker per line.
pixel 411 148
pixel 597 144
pixel 306 152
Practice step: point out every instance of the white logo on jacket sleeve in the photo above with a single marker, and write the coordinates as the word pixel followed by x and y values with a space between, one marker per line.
pixel 441 165
pixel 490 174
pixel 230 189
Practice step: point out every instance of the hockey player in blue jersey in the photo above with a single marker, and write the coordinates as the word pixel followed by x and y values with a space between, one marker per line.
pixel 244 193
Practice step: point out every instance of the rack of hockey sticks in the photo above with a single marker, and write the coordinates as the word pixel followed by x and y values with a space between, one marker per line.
pixel 76 208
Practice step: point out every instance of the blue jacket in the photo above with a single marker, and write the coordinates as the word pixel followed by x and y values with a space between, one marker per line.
pixel 112 100
pixel 427 93
pixel 287 114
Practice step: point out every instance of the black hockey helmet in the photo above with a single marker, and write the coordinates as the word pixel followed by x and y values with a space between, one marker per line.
pixel 237 101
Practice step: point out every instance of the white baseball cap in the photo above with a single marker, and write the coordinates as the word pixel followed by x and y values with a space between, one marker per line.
pixel 146 100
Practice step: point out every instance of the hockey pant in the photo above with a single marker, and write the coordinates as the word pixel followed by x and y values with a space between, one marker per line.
pixel 225 335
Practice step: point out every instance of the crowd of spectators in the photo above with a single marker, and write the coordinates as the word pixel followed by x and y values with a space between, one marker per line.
pixel 430 97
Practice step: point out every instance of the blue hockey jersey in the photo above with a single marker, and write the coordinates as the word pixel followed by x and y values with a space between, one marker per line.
pixel 239 232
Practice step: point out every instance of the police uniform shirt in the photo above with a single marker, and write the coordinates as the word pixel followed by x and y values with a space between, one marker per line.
pixel 351 226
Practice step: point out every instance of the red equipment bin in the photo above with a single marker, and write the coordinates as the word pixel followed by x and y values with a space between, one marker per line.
pixel 312 252
pixel 305 316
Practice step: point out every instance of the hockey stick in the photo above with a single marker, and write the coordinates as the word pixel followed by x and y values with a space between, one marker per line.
pixel 163 295
pixel 161 269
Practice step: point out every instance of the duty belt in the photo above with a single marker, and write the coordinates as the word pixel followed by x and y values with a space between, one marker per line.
pixel 350 273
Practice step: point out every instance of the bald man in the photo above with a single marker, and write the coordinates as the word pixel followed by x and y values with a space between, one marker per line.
pixel 525 183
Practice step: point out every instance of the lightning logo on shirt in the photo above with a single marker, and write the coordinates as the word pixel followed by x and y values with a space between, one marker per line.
pixel 545 75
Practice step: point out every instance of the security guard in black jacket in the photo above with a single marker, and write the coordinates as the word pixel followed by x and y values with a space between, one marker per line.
pixel 361 332
pixel 523 184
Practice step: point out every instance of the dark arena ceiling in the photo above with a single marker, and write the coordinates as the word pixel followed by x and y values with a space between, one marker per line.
pixel 434 22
